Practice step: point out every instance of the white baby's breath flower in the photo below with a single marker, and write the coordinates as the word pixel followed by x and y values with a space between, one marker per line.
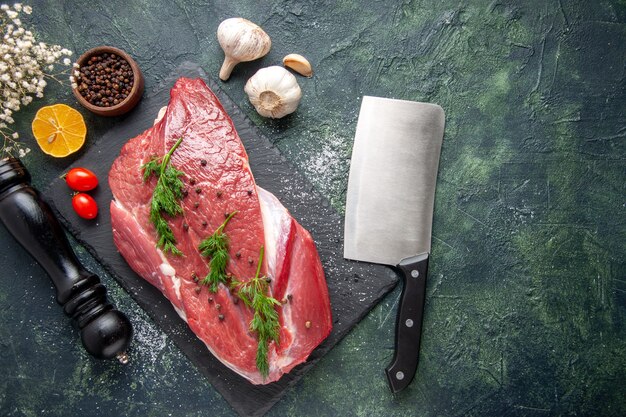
pixel 24 62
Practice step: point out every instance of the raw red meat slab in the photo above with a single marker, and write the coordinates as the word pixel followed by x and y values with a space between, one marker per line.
pixel 214 160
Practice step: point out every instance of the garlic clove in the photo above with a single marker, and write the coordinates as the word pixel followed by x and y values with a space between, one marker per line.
pixel 241 41
pixel 299 64
pixel 274 92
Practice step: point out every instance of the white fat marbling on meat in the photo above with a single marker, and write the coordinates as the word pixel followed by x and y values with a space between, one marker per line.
pixel 176 282
pixel 180 312
pixel 276 225
pixel 160 115
pixel 270 228
pixel 167 269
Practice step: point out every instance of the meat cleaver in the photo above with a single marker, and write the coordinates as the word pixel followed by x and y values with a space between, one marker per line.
pixel 389 208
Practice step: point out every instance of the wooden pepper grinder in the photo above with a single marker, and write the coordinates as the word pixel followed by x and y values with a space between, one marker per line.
pixel 105 331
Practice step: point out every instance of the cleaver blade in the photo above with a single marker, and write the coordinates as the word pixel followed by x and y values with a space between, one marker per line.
pixel 389 208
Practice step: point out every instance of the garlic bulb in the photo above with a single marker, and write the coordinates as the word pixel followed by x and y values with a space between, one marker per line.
pixel 241 41
pixel 274 92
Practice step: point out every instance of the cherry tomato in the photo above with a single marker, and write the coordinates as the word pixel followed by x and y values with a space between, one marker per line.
pixel 81 179
pixel 85 206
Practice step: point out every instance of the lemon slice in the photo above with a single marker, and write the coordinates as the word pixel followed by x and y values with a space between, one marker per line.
pixel 59 129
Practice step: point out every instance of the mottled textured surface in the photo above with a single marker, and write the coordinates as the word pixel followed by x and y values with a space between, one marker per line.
pixel 526 302
pixel 354 288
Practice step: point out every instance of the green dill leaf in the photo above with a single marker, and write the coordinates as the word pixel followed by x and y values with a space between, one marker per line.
pixel 209 246
pixel 167 192
pixel 219 261
pixel 261 358
pixel 244 292
pixel 216 248
pixel 264 323
pixel 151 168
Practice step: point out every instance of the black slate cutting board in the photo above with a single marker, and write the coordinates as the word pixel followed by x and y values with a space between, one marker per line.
pixel 355 288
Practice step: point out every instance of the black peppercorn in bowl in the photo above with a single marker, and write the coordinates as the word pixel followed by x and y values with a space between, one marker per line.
pixel 109 82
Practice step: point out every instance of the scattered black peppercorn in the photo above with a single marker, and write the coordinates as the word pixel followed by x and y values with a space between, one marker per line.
pixel 235 300
pixel 210 299
pixel 219 193
pixel 203 162
pixel 194 277
pixel 196 204
pixel 105 80
pixel 221 317
pixel 185 227
pixel 198 289
pixel 204 223
pixel 289 297
pixel 238 254
pixel 249 192
pixel 250 260
pixel 185 192
pixel 192 181
pixel 198 190
pixel 218 306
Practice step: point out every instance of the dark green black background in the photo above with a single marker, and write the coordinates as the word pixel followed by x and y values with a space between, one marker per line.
pixel 526 302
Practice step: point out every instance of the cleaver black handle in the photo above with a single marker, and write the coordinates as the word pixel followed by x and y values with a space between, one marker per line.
pixel 402 369
pixel 105 331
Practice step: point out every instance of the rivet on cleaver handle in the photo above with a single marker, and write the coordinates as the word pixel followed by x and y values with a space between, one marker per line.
pixel 390 201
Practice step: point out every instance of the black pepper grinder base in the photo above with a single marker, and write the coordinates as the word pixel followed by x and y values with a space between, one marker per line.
pixel 105 332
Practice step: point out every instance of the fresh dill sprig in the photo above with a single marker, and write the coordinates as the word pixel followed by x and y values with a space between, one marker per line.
pixel 254 294
pixel 167 192
pixel 216 248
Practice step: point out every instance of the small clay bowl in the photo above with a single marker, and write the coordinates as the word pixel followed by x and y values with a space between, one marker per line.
pixel 135 93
